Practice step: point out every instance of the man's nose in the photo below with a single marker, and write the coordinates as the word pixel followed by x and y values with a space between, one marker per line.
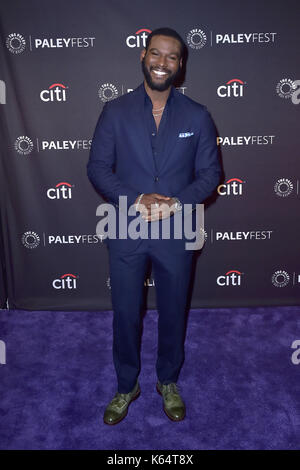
pixel 162 61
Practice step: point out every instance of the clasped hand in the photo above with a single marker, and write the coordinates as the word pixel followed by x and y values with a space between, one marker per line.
pixel 155 206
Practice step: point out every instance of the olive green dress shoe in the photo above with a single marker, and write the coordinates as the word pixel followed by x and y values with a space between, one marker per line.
pixel 118 407
pixel 173 404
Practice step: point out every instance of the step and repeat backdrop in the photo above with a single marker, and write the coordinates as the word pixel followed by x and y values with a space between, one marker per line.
pixel 62 60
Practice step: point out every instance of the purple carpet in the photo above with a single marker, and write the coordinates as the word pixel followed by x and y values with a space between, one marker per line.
pixel 241 388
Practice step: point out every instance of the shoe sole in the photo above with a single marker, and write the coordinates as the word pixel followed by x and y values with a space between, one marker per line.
pixel 124 416
pixel 169 416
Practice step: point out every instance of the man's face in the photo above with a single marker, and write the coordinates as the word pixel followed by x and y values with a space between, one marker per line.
pixel 161 63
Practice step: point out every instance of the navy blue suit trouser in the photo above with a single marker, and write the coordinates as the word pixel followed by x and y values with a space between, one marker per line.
pixel 172 273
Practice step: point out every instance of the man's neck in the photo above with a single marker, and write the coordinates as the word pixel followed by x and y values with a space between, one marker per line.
pixel 158 98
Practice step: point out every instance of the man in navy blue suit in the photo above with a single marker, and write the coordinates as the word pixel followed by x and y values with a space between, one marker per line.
pixel 157 148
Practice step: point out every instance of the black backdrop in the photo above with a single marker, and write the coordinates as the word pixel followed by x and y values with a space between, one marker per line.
pixel 61 60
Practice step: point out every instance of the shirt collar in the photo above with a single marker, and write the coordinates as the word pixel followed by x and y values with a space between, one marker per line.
pixel 148 100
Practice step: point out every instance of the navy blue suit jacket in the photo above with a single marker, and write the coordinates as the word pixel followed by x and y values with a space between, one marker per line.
pixel 121 160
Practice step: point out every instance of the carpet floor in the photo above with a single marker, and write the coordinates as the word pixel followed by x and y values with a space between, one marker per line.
pixel 239 383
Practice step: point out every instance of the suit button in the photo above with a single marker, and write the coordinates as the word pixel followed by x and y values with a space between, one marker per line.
pixel 156 179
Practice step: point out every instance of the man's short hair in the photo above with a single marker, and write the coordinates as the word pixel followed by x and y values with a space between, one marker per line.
pixel 166 32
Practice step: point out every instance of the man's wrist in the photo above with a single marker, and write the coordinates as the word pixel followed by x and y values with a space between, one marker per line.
pixel 177 204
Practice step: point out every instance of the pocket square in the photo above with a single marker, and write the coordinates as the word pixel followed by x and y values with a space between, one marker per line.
pixel 185 134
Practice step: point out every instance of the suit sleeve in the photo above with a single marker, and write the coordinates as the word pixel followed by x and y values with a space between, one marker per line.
pixel 207 164
pixel 102 160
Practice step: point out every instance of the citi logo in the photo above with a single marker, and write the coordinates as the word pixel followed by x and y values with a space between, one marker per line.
pixel 231 278
pixel 61 191
pixel 232 187
pixel 233 88
pixel 66 281
pixel 139 39
pixel 56 92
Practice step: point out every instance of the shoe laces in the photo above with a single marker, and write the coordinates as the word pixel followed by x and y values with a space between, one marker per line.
pixel 172 388
pixel 120 399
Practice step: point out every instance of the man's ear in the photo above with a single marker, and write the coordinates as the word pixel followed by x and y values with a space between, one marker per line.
pixel 180 63
pixel 143 53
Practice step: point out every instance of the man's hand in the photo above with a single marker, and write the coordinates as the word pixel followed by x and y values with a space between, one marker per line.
pixel 155 206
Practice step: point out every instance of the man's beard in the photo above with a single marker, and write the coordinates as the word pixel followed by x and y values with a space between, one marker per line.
pixel 159 86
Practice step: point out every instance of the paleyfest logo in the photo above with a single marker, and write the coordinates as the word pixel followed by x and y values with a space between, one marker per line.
pixel 196 38
pixel 15 43
pixel 23 145
pixel 30 239
pixel 107 92
pixel 280 278
pixel 289 89
pixel 283 187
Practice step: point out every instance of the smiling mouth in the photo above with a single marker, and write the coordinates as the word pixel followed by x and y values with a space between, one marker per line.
pixel 158 73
